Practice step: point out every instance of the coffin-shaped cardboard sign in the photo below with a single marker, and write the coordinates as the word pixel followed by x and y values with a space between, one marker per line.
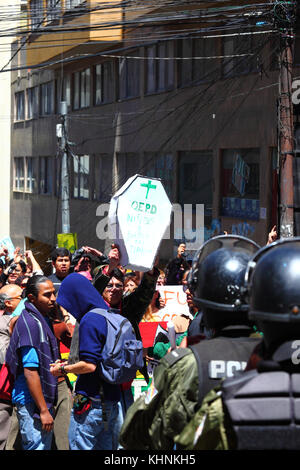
pixel 139 214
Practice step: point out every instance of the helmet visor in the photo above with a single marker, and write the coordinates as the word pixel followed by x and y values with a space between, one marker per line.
pixel 230 242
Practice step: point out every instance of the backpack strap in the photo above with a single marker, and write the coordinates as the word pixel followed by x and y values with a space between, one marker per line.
pixel 103 312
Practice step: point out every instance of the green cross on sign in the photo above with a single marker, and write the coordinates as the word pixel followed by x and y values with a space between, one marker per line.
pixel 148 186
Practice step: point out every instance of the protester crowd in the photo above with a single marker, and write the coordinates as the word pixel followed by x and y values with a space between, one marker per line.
pixel 44 316
pixel 236 335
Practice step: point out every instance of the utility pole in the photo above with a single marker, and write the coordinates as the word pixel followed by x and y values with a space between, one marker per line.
pixel 285 18
pixel 65 190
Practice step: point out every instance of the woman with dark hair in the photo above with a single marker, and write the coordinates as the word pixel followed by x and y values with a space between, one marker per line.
pixel 33 347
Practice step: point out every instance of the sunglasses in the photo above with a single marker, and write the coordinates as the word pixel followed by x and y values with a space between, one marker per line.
pixel 116 286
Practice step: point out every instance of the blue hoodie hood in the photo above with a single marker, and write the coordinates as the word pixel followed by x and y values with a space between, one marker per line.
pixel 78 296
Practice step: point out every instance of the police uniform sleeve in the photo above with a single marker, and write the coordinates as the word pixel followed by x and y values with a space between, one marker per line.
pixel 207 429
pixel 180 397
pixel 153 420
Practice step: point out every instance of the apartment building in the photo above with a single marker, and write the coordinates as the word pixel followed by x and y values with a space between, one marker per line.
pixel 149 91
pixel 11 16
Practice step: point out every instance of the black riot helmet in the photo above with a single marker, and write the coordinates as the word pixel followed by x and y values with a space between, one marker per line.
pixel 273 289
pixel 217 277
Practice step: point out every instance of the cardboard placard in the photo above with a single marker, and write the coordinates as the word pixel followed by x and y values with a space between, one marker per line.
pixel 175 302
pixel 7 242
pixel 67 240
pixel 139 214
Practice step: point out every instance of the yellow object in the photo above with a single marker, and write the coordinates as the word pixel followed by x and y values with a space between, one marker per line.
pixel 71 377
pixel 67 240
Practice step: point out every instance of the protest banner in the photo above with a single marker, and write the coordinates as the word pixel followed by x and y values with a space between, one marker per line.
pixel 7 243
pixel 175 302
pixel 67 240
pixel 139 214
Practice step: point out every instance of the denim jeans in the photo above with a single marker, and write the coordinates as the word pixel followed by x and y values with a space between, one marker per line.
pixel 117 427
pixel 33 437
pixel 87 431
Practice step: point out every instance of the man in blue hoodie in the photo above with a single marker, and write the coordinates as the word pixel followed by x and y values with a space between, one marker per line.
pixel 95 411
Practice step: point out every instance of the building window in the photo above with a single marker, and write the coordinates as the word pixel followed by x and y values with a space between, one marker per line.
pixel 151 69
pixel 103 178
pixel 193 69
pixel 53 10
pixel 32 102
pixel 195 178
pixel 161 166
pixel 159 73
pixel 185 49
pixel 47 98
pixel 205 69
pixel 36 13
pixel 19 106
pixel 19 174
pixel 104 92
pixel 128 165
pixel 76 89
pixel 82 89
pixel 81 176
pixel 64 92
pixel 46 172
pixel 31 173
pixel 85 88
pixel 240 183
pixel 242 50
pixel 129 76
pixel 70 4
pixel 297 51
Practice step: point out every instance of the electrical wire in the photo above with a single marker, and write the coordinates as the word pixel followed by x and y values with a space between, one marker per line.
pixel 89 25
pixel 182 123
pixel 231 23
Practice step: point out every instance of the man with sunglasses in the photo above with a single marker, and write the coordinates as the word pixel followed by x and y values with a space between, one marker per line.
pixel 113 291
pixel 10 297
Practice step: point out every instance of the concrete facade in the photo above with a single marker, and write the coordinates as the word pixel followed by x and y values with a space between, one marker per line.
pixel 12 14
pixel 180 130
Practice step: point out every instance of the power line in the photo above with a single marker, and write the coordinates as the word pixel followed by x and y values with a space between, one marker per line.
pixel 180 128
pixel 193 105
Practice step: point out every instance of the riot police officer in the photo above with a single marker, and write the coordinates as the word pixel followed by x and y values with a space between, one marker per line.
pixel 185 375
pixel 261 405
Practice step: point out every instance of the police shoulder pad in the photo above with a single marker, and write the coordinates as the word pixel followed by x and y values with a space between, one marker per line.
pixel 172 357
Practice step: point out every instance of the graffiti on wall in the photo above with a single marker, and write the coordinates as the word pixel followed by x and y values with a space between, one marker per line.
pixel 243 228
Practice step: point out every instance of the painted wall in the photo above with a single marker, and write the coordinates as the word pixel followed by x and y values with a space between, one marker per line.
pixel 12 10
